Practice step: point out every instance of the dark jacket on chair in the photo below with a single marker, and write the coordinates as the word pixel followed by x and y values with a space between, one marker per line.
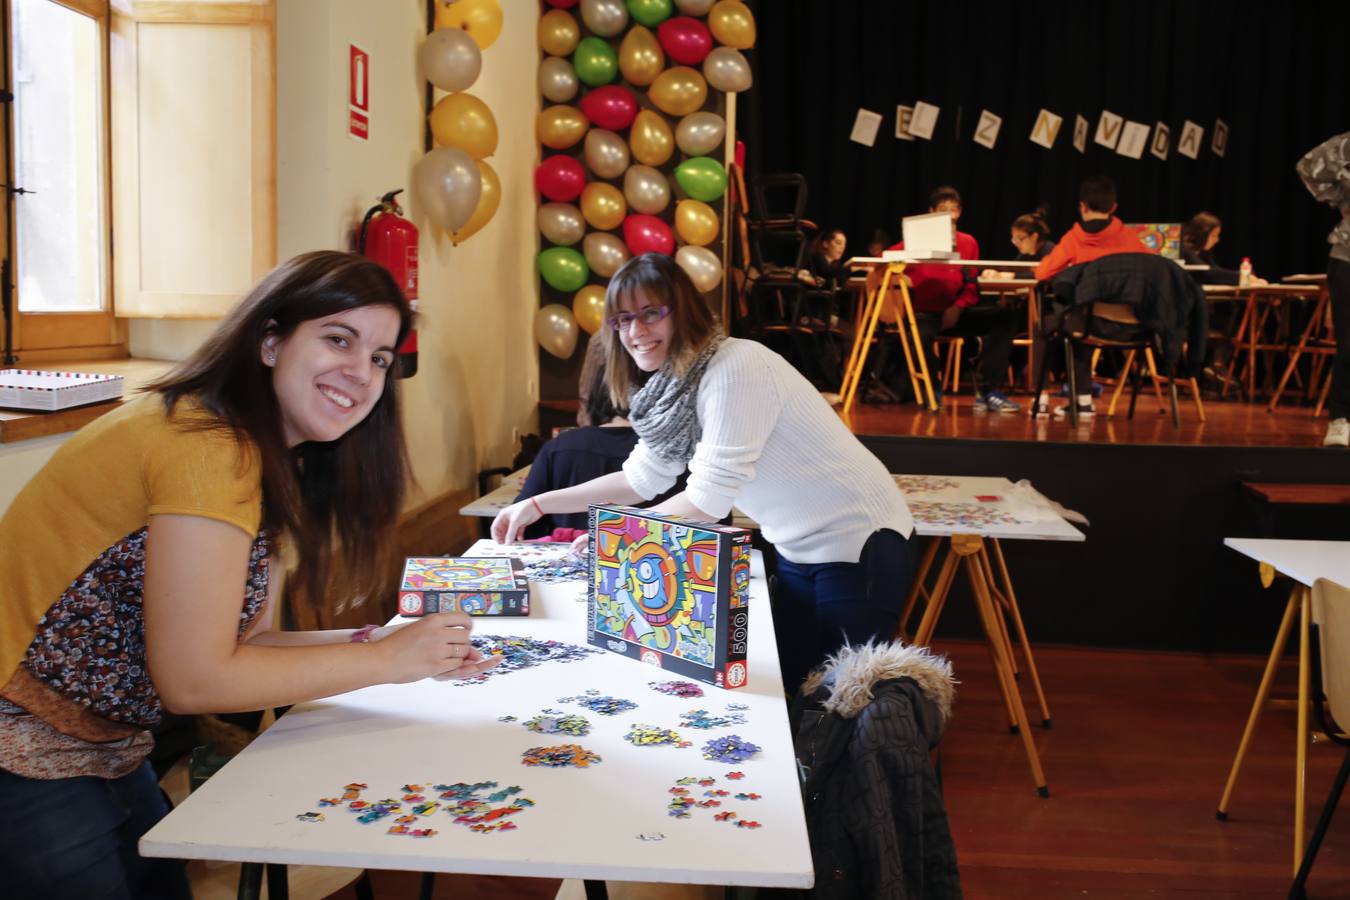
pixel 864 726
pixel 1166 300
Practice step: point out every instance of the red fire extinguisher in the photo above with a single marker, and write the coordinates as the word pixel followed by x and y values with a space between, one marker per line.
pixel 391 241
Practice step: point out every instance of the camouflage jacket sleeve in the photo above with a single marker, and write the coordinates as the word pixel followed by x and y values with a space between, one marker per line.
pixel 1326 170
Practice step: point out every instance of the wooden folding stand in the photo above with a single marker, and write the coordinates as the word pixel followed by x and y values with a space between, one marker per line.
pixel 864 331
pixel 997 604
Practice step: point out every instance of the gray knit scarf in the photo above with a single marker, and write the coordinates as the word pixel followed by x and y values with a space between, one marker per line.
pixel 664 411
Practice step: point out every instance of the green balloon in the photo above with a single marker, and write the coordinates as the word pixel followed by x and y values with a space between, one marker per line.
pixel 564 269
pixel 595 61
pixel 702 178
pixel 649 12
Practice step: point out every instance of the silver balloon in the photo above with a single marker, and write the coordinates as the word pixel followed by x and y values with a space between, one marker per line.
pixel 606 153
pixel 604 17
pixel 557 79
pixel 700 133
pixel 646 190
pixel 448 185
pixel 555 328
pixel 604 253
pixel 727 70
pixel 560 223
pixel 450 59
pixel 694 7
pixel 701 265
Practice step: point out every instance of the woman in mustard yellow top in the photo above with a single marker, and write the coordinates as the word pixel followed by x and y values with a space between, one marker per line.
pixel 134 568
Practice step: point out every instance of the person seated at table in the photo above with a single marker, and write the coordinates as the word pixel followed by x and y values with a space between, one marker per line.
pixel 1199 236
pixel 578 455
pixel 1100 233
pixel 138 568
pixel 946 301
pixel 879 241
pixel 825 259
pixel 751 431
pixel 1030 235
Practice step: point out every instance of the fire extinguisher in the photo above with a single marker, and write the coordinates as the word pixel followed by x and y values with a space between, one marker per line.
pixel 391 241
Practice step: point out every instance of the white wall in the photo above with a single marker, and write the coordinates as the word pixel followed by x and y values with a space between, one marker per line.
pixel 477 373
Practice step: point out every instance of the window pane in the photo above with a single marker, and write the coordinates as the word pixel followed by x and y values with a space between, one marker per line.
pixel 58 115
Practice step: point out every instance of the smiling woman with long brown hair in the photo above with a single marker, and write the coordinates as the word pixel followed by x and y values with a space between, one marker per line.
pixel 135 567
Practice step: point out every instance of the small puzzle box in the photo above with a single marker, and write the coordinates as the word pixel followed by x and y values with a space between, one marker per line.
pixel 670 592
pixel 486 586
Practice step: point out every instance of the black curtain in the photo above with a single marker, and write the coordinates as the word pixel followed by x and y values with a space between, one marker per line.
pixel 1277 73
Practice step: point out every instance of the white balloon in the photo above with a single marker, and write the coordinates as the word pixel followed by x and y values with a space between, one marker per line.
pixel 605 153
pixel 701 265
pixel 560 223
pixel 555 328
pixel 694 7
pixel 604 17
pixel 450 59
pixel 604 253
pixel 557 79
pixel 646 190
pixel 728 70
pixel 700 133
pixel 448 185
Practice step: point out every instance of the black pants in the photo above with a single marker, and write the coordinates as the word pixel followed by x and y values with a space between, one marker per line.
pixel 1051 349
pixel 996 323
pixel 1338 282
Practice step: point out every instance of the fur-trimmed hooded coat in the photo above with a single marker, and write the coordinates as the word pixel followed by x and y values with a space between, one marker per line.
pixel 864 725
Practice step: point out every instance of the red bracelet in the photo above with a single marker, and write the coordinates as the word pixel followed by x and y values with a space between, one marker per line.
pixel 362 634
pixel 537 508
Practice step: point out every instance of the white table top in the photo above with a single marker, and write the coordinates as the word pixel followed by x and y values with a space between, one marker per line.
pixel 608 821
pixel 872 262
pixel 943 505
pixel 1303 561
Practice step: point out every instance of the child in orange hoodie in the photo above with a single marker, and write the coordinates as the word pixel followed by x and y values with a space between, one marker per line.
pixel 1099 234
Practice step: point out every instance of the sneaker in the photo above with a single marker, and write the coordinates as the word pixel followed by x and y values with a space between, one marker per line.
pixel 1041 406
pixel 1338 434
pixel 995 402
pixel 1096 388
pixel 1086 410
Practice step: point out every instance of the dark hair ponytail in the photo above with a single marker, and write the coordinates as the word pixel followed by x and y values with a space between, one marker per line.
pixel 1036 223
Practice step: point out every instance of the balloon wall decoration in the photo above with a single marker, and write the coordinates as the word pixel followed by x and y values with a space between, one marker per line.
pixel 453 184
pixel 632 139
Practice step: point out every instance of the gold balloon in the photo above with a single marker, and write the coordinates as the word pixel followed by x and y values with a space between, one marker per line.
pixel 559 33
pixel 679 91
pixel 464 122
pixel 732 23
pixel 640 56
pixel 559 127
pixel 651 138
pixel 482 19
pixel 488 201
pixel 589 307
pixel 695 222
pixel 603 205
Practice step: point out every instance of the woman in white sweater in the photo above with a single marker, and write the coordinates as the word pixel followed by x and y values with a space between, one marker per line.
pixel 752 432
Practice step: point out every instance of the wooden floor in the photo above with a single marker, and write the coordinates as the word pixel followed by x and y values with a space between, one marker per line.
pixel 1136 761
pixel 1228 423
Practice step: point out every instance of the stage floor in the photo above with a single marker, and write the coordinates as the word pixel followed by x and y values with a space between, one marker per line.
pixel 1228 423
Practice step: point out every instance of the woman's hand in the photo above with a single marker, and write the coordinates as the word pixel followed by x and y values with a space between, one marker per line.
pixel 511 522
pixel 579 546
pixel 434 645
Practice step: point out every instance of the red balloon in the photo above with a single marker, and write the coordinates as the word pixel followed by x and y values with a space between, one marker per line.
pixel 560 178
pixel 686 40
pixel 563 4
pixel 612 107
pixel 647 234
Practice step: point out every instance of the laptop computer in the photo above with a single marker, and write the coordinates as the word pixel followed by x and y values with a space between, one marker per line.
pixel 929 236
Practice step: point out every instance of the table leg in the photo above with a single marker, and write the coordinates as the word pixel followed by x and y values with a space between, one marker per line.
pixel 1259 704
pixel 278 882
pixel 851 392
pixel 923 636
pixel 987 615
pixel 1021 632
pixel 907 316
pixel 1238 337
pixel 917 589
pixel 250 881
pixel 426 886
pixel 596 890
pixel 1301 735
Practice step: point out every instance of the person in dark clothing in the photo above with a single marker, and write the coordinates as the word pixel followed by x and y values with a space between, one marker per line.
pixel 1199 236
pixel 825 259
pixel 1325 171
pixel 1030 234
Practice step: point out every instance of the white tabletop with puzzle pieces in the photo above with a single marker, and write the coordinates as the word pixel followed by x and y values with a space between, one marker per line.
pixel 944 505
pixel 574 763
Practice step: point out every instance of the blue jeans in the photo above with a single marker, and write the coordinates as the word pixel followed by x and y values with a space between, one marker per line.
pixel 76 838
pixel 820 607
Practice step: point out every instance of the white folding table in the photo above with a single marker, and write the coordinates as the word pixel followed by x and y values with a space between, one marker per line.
pixel 608 821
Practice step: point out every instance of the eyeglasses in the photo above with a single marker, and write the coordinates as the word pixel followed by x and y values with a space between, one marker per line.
pixel 648 315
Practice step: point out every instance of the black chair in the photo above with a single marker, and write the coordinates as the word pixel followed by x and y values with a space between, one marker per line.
pixel 778 238
pixel 1331 612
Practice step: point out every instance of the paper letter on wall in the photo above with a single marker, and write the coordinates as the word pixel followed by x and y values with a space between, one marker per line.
pixel 1046 129
pixel 1133 139
pixel 924 120
pixel 865 127
pixel 1108 129
pixel 1218 144
pixel 986 130
pixel 1080 130
pixel 1162 140
pixel 903 115
pixel 1191 136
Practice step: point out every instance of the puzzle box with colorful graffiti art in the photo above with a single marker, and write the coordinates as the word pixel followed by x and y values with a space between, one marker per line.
pixel 670 592
pixel 486 586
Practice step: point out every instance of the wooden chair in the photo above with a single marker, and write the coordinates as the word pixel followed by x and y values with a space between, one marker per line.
pixel 1331 612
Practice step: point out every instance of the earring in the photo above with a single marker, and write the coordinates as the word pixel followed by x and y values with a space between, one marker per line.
pixel 272 357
